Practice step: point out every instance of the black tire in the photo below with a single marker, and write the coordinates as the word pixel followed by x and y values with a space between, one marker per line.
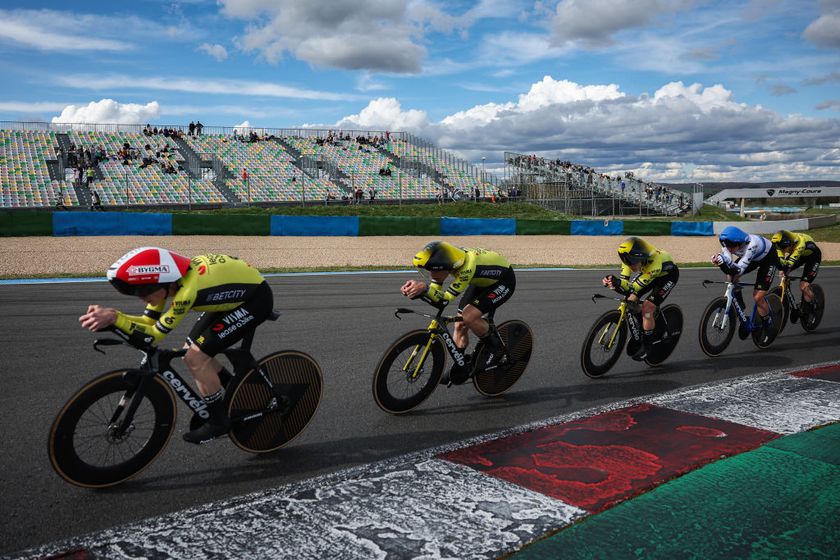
pixel 776 312
pixel 519 341
pixel 713 339
pixel 812 321
pixel 597 343
pixel 669 326
pixel 395 387
pixel 84 452
pixel 785 307
pixel 298 384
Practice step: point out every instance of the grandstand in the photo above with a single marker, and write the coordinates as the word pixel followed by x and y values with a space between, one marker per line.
pixel 578 189
pixel 47 165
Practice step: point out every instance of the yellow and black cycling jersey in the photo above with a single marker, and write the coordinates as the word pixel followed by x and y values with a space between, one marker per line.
pixel 802 247
pixel 660 264
pixel 481 268
pixel 212 283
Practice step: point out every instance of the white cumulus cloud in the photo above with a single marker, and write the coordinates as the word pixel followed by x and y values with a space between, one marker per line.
pixel 109 111
pixel 216 50
pixel 825 31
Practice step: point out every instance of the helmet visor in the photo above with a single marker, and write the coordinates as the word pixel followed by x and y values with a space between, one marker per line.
pixel 629 259
pixel 730 244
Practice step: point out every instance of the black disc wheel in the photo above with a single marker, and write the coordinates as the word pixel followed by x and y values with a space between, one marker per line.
pixel 669 326
pixel 272 404
pixel 519 341
pixel 764 336
pixel 603 344
pixel 817 307
pixel 408 372
pixel 716 327
pixel 90 443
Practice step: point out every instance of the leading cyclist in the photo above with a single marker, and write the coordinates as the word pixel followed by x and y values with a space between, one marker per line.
pixel 742 253
pixel 487 281
pixel 644 268
pixel 234 299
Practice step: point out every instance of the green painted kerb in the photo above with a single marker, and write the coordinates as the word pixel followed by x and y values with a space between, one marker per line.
pixel 779 501
pixel 18 224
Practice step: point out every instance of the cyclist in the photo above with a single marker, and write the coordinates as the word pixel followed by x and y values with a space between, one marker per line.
pixel 742 253
pixel 234 299
pixel 795 250
pixel 644 269
pixel 486 280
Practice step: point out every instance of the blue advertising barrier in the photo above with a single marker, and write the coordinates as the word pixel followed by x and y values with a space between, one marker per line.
pixel 477 226
pixel 597 227
pixel 692 228
pixel 111 223
pixel 303 226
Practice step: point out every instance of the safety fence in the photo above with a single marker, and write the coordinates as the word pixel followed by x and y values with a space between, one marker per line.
pixel 22 223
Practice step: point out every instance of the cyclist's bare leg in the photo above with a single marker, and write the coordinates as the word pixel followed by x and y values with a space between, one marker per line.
pixel 807 294
pixel 648 315
pixel 763 307
pixel 205 370
pixel 473 321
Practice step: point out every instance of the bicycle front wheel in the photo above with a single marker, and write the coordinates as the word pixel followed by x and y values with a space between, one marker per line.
pixel 812 321
pixel 86 447
pixel 265 419
pixel 714 336
pixel 408 372
pixel 603 344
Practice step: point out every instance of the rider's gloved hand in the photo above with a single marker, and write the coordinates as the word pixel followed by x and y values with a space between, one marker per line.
pixel 717 259
pixel 610 281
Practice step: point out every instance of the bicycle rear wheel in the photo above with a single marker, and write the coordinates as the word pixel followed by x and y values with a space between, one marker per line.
pixel 714 338
pixel 815 315
pixel 519 341
pixel 85 447
pixel 298 383
pixel 603 344
pixel 785 307
pixel 669 328
pixel 764 339
pixel 406 375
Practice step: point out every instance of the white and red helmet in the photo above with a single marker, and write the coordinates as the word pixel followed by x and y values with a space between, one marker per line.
pixel 144 270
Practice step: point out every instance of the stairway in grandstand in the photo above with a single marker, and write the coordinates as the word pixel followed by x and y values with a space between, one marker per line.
pixel 195 163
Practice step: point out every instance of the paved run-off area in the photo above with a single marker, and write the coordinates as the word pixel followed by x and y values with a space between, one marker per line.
pixel 28 256
pixel 712 471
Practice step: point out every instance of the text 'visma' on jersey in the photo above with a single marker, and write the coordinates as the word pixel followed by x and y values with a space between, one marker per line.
pixel 212 283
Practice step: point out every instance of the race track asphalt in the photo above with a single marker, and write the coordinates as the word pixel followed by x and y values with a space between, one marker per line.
pixel 345 322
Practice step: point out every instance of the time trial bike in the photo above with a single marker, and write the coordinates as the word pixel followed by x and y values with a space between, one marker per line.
pixel 607 338
pixel 721 317
pixel 412 367
pixel 118 423
pixel 793 311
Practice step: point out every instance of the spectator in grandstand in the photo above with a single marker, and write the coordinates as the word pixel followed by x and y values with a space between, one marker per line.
pixel 90 176
pixel 95 202
pixel 198 128
pixel 477 194
pixel 328 197
pixel 59 199
pixel 192 129
pixel 372 193
pixel 359 194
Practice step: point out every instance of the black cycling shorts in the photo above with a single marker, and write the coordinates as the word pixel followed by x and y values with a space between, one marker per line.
pixel 810 265
pixel 488 299
pixel 766 270
pixel 661 287
pixel 216 330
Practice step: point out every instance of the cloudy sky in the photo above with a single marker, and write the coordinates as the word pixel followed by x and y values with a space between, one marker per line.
pixel 675 90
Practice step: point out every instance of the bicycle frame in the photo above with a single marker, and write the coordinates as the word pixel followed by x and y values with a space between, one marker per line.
pixel 158 362
pixel 438 328
pixel 632 322
pixel 731 301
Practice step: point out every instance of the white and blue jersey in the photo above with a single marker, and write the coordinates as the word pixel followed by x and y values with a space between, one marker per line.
pixel 752 252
